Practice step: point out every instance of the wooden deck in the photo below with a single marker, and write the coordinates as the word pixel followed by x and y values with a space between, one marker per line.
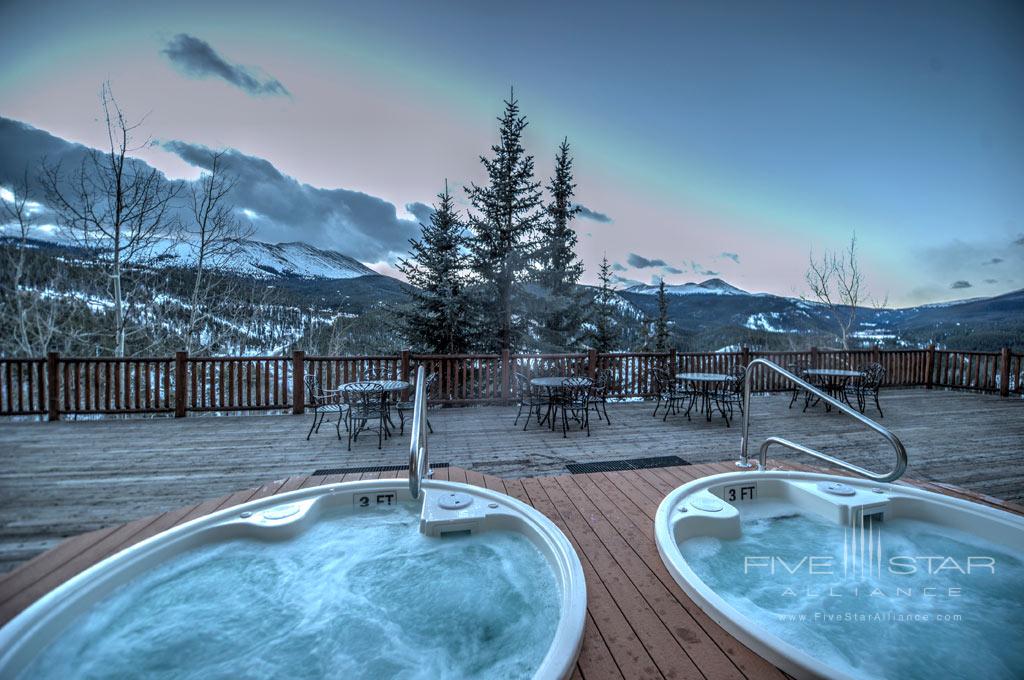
pixel 65 478
pixel 639 622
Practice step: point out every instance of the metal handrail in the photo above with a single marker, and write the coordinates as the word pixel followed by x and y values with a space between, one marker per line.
pixel 419 465
pixel 901 453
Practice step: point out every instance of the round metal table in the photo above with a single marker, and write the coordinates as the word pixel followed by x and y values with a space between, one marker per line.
pixel 552 384
pixel 389 387
pixel 703 382
pixel 832 381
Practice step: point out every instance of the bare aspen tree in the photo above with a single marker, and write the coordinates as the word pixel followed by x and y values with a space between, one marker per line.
pixel 114 206
pixel 214 235
pixel 836 281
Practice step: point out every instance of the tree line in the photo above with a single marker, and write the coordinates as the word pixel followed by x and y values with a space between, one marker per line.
pixel 505 275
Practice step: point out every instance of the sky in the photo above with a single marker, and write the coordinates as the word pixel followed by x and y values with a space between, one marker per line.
pixel 727 139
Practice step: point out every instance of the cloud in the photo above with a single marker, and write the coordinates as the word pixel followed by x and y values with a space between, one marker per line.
pixel 991 281
pixel 629 283
pixel 362 226
pixel 588 214
pixel 618 267
pixel 640 262
pixel 421 211
pixel 672 270
pixel 1019 241
pixel 732 256
pixel 197 58
pixel 994 260
pixel 957 285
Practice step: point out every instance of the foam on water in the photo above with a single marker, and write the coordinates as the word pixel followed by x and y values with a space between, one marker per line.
pixel 357 595
pixel 871 622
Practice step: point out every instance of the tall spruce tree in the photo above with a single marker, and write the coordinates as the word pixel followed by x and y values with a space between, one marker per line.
pixel 559 269
pixel 438 320
pixel 605 334
pixel 505 218
pixel 661 324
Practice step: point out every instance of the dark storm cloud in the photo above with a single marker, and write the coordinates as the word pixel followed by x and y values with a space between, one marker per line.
pixel 357 224
pixel 588 214
pixel 994 260
pixel 957 285
pixel 732 256
pixel 641 262
pixel 362 226
pixel 197 58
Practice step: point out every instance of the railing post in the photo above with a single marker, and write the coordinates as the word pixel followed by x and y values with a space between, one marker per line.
pixel 929 366
pixel 744 356
pixel 591 363
pixel 673 361
pixel 506 368
pixel 180 383
pixel 298 386
pixel 1004 372
pixel 52 386
pixel 814 358
pixel 876 355
pixel 403 371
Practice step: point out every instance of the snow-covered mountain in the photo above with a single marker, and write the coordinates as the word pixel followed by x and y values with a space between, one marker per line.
pixel 709 287
pixel 269 260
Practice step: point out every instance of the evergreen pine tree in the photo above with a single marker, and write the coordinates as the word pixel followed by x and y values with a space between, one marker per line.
pixel 605 334
pixel 437 321
pixel 661 324
pixel 504 224
pixel 561 314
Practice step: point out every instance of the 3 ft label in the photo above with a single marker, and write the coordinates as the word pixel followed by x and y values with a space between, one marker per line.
pixel 375 500
pixel 740 492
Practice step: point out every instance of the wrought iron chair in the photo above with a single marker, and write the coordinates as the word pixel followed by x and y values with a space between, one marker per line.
pixel 669 392
pixel 529 398
pixel 367 411
pixel 573 400
pixel 324 402
pixel 599 393
pixel 403 406
pixel 729 395
pixel 868 385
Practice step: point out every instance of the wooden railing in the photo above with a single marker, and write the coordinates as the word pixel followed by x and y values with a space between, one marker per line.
pixel 57 385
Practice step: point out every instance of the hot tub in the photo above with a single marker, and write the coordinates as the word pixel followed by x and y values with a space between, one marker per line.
pixel 835 577
pixel 347 580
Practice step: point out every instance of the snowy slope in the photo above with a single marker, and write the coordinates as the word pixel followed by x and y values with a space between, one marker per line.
pixel 709 287
pixel 268 260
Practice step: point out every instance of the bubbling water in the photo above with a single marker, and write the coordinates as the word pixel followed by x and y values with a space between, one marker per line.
pixel 868 614
pixel 356 595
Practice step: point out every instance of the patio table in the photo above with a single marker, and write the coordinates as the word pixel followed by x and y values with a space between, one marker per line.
pixel 832 381
pixel 704 382
pixel 389 386
pixel 552 384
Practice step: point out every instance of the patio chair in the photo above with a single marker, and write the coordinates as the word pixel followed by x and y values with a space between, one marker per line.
pixel 367 411
pixel 866 386
pixel 599 393
pixel 729 395
pixel 529 398
pixel 573 400
pixel 669 392
pixel 324 402
pixel 403 406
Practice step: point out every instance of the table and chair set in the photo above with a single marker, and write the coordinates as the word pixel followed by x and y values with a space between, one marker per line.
pixel 545 398
pixel 362 406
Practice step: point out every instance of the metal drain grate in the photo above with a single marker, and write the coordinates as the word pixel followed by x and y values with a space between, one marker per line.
pixel 370 468
pixel 627 464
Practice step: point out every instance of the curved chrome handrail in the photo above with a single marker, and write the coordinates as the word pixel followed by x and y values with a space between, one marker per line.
pixel 901 453
pixel 419 466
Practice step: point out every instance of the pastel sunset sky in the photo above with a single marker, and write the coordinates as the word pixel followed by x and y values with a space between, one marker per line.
pixel 721 138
